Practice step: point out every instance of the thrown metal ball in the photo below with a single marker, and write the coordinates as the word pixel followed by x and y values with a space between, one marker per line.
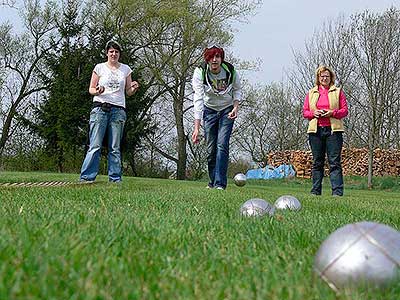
pixel 256 208
pixel 240 179
pixel 288 202
pixel 364 254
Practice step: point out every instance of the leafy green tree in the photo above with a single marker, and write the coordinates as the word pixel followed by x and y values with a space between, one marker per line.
pixel 106 23
pixel 169 37
pixel 62 116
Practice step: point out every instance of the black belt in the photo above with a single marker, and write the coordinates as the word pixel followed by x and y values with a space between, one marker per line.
pixel 105 106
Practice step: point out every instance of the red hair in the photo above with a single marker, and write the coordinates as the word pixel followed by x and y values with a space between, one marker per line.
pixel 209 53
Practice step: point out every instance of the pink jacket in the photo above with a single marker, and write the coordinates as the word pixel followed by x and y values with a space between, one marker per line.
pixel 323 103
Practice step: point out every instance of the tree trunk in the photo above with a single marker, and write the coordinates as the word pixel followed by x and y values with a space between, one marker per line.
pixel 60 160
pixel 370 156
pixel 370 166
pixel 133 165
pixel 182 154
pixel 6 127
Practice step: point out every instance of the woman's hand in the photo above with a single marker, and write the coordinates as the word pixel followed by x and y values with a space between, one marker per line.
pixel 134 86
pixel 327 113
pixel 100 90
pixel 195 136
pixel 233 114
pixel 322 113
pixel 131 86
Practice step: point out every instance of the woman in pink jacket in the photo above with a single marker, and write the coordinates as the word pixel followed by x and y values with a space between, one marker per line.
pixel 325 106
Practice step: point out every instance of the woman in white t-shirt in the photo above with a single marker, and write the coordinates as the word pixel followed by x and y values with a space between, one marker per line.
pixel 109 83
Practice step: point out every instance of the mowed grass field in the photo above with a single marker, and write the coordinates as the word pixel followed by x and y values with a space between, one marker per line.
pixel 165 239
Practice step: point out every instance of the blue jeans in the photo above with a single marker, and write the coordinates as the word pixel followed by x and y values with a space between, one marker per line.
pixel 321 142
pixel 218 129
pixel 101 122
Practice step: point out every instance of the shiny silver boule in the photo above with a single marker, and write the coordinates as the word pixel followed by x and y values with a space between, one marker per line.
pixel 240 179
pixel 288 202
pixel 256 208
pixel 364 254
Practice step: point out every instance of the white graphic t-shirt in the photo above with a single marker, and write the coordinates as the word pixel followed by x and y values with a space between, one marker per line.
pixel 113 82
pixel 219 82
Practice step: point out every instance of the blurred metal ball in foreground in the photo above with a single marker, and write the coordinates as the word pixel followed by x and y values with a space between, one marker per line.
pixel 364 254
pixel 288 202
pixel 240 179
pixel 256 208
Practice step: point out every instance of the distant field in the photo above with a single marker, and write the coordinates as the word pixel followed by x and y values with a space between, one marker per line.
pixel 164 239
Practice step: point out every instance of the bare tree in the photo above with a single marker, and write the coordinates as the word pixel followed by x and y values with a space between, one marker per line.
pixel 375 45
pixel 328 46
pixel 365 53
pixel 21 58
pixel 270 120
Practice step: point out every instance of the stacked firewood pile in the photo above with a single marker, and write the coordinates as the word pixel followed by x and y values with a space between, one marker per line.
pixel 354 161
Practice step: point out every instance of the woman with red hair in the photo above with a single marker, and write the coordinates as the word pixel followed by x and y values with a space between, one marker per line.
pixel 217 93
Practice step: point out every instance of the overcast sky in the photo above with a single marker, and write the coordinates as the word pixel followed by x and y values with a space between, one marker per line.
pixel 279 26
pixel 283 25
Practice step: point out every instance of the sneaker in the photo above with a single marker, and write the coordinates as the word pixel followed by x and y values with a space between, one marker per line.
pixel 115 181
pixel 220 188
pixel 84 181
pixel 209 186
pixel 315 194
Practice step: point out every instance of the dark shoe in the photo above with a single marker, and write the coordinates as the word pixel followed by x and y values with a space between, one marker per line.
pixel 315 194
pixel 209 186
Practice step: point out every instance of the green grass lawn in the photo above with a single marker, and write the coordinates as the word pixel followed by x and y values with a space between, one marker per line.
pixel 164 239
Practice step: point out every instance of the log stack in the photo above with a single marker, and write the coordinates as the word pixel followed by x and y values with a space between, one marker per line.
pixel 354 161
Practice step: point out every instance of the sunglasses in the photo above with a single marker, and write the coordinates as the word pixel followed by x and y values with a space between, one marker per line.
pixel 213 46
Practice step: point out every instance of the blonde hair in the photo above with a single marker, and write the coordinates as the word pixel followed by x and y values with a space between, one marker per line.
pixel 321 69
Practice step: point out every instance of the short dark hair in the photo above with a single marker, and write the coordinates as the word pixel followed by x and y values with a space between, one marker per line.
pixel 114 45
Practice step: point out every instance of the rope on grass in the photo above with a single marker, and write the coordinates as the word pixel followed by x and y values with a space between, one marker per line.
pixel 41 184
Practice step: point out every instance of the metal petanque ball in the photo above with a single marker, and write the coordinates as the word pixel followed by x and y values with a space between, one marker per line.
pixel 288 202
pixel 256 208
pixel 364 254
pixel 240 179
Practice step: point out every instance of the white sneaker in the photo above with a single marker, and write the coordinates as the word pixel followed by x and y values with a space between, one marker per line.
pixel 220 188
pixel 84 181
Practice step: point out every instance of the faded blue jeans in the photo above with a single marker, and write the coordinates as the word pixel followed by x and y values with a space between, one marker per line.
pixel 218 129
pixel 101 122
pixel 330 143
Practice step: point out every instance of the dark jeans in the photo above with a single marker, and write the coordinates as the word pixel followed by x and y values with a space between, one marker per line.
pixel 218 129
pixel 321 142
